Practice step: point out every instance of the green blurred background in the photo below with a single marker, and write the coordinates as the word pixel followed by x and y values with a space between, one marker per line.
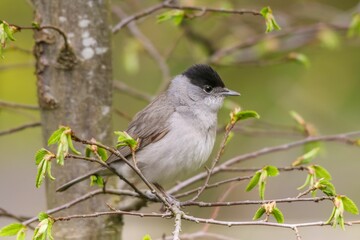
pixel 325 94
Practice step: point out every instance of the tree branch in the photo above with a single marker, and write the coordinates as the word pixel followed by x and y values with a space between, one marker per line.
pixel 20 128
pixel 256 202
pixel 18 105
pixel 83 198
pixel 133 92
pixel 168 5
pixel 150 48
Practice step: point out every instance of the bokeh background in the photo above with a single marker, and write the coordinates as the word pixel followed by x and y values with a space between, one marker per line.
pixel 325 94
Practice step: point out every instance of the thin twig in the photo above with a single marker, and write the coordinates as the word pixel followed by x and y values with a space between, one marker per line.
pixel 115 152
pixel 100 162
pixel 137 16
pixel 256 202
pixel 18 105
pixel 117 212
pixel 133 92
pixel 6 214
pixel 306 192
pixel 149 47
pixel 281 169
pixel 178 216
pixel 200 235
pixel 204 10
pixel 135 169
pixel 168 5
pixel 19 49
pixel 40 28
pixel 83 198
pixel 261 223
pixel 297 233
pixel 16 65
pixel 216 184
pixel 216 210
pixel 123 114
pixel 215 58
pixel 20 128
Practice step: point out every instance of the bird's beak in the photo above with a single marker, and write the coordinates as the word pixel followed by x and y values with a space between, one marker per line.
pixel 228 92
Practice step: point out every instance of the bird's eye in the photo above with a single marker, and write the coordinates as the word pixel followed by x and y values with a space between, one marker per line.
pixel 208 89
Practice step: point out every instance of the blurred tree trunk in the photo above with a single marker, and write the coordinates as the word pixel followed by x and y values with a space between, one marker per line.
pixel 75 89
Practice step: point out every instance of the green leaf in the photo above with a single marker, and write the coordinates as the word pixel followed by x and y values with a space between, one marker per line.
pixel 306 158
pixel 42 216
pixel 9 31
pixel 298 118
pixel 55 136
pixel 36 25
pixel 60 156
pixel 71 145
pixel 254 181
pixel 124 139
pixel 146 237
pixel 262 190
pixel 272 171
pixel 40 230
pixel 307 181
pixel 321 172
pixel 270 21
pixel 262 184
pixel 338 215
pixel 331 218
pixel 299 58
pixel 279 217
pixel 6 34
pixel 238 115
pixel 21 234
pixel 311 145
pixel 259 213
pixel 341 222
pixel 102 153
pixel 176 16
pixel 11 229
pixel 96 180
pixel 349 205
pixel 42 167
pixel 49 229
pixel 354 28
pixel 63 149
pixel 48 170
pixel 88 151
pixel 40 155
pixel 326 187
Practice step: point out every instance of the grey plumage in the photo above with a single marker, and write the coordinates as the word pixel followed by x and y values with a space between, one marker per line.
pixel 176 130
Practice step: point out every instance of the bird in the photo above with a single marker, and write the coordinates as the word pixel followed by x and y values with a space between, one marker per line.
pixel 176 132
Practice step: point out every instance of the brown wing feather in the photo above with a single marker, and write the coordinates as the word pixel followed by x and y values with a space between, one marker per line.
pixel 149 125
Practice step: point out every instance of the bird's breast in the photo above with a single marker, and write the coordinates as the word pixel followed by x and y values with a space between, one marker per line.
pixel 185 148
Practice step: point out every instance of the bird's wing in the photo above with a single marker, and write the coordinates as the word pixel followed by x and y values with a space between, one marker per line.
pixel 149 125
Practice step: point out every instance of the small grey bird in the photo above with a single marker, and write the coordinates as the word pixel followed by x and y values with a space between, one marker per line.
pixel 176 131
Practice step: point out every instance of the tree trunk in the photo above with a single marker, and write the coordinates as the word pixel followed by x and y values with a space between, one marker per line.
pixel 75 89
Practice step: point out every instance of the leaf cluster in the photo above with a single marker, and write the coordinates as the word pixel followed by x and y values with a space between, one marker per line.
pixel 6 34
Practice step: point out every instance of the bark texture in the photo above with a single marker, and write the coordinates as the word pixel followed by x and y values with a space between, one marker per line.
pixel 75 89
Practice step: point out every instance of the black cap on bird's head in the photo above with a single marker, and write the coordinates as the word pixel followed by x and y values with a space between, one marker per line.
pixel 207 78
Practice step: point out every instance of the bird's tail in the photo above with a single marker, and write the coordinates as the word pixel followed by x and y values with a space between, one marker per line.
pixel 99 171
